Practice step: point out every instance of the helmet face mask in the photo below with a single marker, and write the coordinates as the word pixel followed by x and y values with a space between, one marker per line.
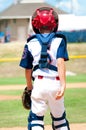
pixel 45 18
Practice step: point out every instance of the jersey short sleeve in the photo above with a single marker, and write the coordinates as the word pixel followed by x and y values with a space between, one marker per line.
pixel 27 59
pixel 62 50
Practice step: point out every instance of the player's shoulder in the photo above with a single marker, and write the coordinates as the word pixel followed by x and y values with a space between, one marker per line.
pixel 58 40
pixel 32 38
pixel 60 35
pixel 32 42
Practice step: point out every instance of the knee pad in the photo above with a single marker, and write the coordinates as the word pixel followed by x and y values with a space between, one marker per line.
pixel 59 122
pixel 34 120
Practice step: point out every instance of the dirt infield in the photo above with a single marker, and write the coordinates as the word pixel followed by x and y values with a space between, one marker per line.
pixel 48 127
pixel 81 126
pixel 17 87
pixel 21 87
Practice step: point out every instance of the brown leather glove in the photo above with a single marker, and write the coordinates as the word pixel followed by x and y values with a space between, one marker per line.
pixel 26 98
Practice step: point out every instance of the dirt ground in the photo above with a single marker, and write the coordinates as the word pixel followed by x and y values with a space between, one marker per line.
pixel 48 127
pixel 21 87
pixel 81 126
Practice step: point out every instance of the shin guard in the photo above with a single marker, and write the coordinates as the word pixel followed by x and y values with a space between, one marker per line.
pixel 57 123
pixel 34 120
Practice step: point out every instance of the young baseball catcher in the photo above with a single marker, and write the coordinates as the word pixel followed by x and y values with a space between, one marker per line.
pixel 44 59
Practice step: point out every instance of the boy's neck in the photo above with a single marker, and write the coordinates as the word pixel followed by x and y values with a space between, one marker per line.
pixel 45 31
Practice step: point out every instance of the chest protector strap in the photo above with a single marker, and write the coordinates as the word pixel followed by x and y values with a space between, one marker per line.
pixel 45 43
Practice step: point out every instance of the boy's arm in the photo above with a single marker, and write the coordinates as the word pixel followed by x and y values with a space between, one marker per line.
pixel 62 76
pixel 28 76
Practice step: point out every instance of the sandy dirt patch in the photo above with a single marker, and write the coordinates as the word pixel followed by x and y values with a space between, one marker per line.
pixel 7 97
pixel 19 87
pixel 48 127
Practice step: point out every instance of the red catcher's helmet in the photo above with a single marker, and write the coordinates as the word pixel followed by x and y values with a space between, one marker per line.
pixel 45 18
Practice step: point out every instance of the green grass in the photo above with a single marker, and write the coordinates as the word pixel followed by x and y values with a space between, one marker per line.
pixel 21 80
pixel 11 92
pixel 13 114
pixel 12 80
pixel 77 78
pixel 76 105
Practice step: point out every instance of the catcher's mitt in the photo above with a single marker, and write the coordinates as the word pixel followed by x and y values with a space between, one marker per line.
pixel 26 98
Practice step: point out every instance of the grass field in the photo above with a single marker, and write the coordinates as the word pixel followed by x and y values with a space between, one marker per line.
pixel 13 114
pixel 21 80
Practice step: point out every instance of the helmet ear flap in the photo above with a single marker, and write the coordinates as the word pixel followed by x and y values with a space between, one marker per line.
pixel 55 29
pixel 35 30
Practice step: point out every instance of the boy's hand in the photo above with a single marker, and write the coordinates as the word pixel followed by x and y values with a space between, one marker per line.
pixel 60 93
